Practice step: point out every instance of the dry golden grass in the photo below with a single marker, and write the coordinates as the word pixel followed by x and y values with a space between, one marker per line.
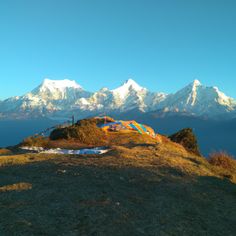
pixel 22 159
pixel 160 185
pixel 4 151
pixel 125 137
pixel 164 156
pixel 16 187
pixel 38 141
pixel 84 131
pixel 67 144
pixel 224 163
pixel 222 159
pixel 139 150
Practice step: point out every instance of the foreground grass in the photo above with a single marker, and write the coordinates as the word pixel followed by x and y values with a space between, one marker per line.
pixel 16 187
pixel 139 189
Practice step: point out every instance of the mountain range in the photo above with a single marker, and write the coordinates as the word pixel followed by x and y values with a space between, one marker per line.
pixel 63 98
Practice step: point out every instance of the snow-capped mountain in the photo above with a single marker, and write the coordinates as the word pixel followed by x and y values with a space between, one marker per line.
pixel 125 89
pixel 58 90
pixel 50 96
pixel 198 99
pixel 128 96
pixel 60 98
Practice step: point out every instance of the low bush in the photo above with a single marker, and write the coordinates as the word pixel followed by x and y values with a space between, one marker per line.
pixel 187 139
pixel 103 120
pixel 223 159
pixel 84 131
pixel 35 141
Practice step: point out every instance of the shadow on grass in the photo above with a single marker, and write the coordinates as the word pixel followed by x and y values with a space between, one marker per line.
pixel 84 199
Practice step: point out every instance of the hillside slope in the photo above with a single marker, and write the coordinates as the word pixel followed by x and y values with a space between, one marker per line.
pixel 139 189
pixel 213 135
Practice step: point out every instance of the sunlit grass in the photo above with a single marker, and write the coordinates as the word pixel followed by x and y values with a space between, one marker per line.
pixel 16 187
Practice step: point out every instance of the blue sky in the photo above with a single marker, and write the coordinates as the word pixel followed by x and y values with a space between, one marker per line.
pixel 162 44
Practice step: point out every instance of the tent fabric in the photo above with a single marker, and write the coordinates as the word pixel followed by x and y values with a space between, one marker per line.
pixel 144 128
pixel 140 128
pixel 126 124
pixel 135 127
pixel 129 125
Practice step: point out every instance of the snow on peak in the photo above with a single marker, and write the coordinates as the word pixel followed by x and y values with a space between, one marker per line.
pixel 60 84
pixel 125 88
pixel 131 82
pixel 216 89
pixel 222 98
pixel 196 83
pixel 64 95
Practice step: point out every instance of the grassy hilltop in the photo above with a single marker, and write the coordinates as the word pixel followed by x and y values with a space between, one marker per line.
pixel 140 187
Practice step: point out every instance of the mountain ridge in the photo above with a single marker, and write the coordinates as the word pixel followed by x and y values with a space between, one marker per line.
pixel 55 98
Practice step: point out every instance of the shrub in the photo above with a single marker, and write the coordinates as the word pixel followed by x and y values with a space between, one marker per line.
pixel 222 159
pixel 35 141
pixel 84 131
pixel 187 139
pixel 102 120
